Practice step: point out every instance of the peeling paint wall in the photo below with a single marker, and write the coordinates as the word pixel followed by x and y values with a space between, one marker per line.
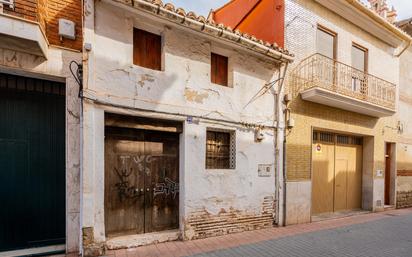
pixel 212 202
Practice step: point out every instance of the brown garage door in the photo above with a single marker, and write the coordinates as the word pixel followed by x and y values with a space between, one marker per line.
pixel 337 172
pixel 141 181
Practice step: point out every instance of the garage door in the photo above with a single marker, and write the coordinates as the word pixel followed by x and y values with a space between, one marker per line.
pixel 32 162
pixel 337 172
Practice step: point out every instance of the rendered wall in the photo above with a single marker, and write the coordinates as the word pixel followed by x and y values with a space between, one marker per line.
pixel 404 149
pixel 212 202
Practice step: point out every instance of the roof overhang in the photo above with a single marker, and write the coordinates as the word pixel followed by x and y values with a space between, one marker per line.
pixel 333 99
pixel 359 14
pixel 22 35
pixel 197 24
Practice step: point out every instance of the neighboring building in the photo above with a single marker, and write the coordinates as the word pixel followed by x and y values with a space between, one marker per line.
pixel 39 127
pixel 344 86
pixel 179 127
pixel 341 155
pixel 404 151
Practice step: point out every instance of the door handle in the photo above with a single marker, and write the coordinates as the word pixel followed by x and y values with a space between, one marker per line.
pixel 147 189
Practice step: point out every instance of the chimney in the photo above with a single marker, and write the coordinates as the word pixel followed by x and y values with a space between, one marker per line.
pixel 381 8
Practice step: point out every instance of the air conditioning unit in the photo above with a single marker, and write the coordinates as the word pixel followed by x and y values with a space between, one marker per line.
pixel 7 2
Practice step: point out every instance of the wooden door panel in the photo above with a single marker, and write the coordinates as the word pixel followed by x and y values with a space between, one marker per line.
pixel 388 173
pixel 323 178
pixel 124 182
pixel 354 191
pixel 341 184
pixel 162 211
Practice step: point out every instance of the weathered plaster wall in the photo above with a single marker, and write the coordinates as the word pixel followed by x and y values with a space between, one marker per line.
pixel 212 202
pixel 57 67
pixel 301 21
pixel 404 148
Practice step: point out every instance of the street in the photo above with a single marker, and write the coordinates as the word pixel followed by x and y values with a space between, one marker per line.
pixel 376 235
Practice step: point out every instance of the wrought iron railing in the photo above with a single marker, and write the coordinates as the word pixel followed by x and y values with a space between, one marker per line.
pixel 320 71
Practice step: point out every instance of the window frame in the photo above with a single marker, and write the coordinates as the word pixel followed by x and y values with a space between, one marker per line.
pixel 335 39
pixel 366 57
pixel 214 66
pixel 155 67
pixel 232 149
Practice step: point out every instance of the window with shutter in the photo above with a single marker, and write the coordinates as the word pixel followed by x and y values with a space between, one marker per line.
pixel 359 62
pixel 147 50
pixel 326 42
pixel 219 69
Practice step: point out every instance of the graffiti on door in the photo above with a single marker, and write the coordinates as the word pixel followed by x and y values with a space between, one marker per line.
pixel 168 187
pixel 127 190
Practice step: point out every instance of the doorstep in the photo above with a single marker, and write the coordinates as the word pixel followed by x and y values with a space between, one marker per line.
pixel 37 251
pixel 131 241
pixel 338 215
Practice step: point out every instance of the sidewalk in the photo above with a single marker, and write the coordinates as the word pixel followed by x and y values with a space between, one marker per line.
pixel 179 248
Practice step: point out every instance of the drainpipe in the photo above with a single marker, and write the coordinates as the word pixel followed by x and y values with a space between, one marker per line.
pixel 280 162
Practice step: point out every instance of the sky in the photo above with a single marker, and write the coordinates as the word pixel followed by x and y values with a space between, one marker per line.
pixel 202 7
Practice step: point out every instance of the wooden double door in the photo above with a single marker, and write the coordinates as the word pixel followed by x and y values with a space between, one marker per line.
pixel 337 173
pixel 141 181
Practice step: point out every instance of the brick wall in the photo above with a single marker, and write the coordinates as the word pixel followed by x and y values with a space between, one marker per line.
pixel 26 9
pixel 301 20
pixel 47 13
pixel 404 199
pixel 202 224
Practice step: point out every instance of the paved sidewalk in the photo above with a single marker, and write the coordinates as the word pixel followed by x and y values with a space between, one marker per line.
pixel 377 234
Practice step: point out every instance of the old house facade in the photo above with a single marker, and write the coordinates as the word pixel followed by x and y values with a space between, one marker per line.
pixel 179 133
pixel 39 127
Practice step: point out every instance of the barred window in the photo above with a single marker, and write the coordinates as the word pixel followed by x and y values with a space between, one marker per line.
pixel 220 150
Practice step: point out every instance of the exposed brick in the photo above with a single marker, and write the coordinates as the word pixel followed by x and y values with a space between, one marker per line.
pixel 202 224
pixel 48 13
pixel 404 199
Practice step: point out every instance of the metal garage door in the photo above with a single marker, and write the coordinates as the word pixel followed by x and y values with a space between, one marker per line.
pixel 32 162
pixel 337 173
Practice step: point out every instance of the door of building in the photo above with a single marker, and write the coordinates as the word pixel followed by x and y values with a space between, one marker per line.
pixel 388 163
pixel 32 162
pixel 141 181
pixel 337 173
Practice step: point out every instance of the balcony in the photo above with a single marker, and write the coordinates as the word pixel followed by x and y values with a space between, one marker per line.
pixel 22 35
pixel 323 80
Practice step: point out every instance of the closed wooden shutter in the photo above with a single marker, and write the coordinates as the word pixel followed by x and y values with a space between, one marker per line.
pixel 147 49
pixel 219 69
pixel 326 43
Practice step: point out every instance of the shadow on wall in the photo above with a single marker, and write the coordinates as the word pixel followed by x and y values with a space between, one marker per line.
pixel 185 81
pixel 327 113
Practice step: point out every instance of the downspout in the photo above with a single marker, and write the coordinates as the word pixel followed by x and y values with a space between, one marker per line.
pixel 407 45
pixel 280 169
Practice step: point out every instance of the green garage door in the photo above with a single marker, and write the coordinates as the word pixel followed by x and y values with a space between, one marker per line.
pixel 32 162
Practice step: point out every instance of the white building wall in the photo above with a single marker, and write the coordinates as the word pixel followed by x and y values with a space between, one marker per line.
pixel 182 89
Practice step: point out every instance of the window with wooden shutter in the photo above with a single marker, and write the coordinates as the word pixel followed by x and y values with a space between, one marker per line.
pixel 326 42
pixel 359 62
pixel 147 50
pixel 220 150
pixel 219 69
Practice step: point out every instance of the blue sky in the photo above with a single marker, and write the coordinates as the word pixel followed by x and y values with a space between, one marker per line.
pixel 202 7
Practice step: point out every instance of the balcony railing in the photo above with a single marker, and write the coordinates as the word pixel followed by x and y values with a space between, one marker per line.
pixel 323 72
